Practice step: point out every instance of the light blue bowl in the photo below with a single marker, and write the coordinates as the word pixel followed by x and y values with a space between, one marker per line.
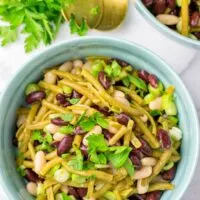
pixel 164 29
pixel 137 56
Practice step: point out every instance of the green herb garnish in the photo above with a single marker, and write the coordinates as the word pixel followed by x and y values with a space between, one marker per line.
pixel 81 29
pixel 67 129
pixel 67 117
pixel 74 101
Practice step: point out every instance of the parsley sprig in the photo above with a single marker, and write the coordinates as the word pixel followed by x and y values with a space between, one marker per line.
pixel 38 20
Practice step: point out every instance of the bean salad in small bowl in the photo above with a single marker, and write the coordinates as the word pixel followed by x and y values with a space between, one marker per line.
pixel 97 118
pixel 179 19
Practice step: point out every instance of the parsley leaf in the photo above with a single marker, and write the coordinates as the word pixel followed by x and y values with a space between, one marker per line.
pixel 118 155
pixel 45 140
pixel 38 20
pixel 81 29
pixel 74 101
pixel 8 35
pixel 96 146
pixel 97 142
pixel 77 162
pixel 114 70
pixel 67 129
pixel 67 117
pixel 139 83
pixel 128 165
pixel 101 121
pixel 87 124
pixel 64 196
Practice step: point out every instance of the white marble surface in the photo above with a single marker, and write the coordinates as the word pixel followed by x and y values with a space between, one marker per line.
pixel 185 61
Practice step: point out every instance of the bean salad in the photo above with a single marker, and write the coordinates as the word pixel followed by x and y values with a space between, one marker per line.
pixel 98 129
pixel 183 16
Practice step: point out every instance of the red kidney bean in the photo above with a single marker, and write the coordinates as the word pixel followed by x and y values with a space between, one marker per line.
pixel 123 118
pixel 143 75
pixel 138 197
pixel 55 144
pixel 138 153
pixel 65 145
pixel 62 100
pixel 170 174
pixel 156 195
pixel 105 111
pixel 136 161
pixel 159 7
pixel 194 19
pixel 76 95
pixel 107 134
pixel 103 79
pixel 171 4
pixel 78 130
pixel 73 191
pixel 153 80
pixel 32 176
pixel 164 138
pixel 145 148
pixel 84 150
pixel 82 192
pixel 148 3
pixel 59 122
pixel 35 96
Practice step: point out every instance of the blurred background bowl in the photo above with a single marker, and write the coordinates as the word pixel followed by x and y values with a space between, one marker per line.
pixel 164 29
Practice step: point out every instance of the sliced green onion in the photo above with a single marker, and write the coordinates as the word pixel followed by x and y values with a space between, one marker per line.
pixel 156 91
pixel 61 175
pixel 78 179
pixel 168 105
pixel 109 195
pixel 96 68
pixel 168 166
pixel 67 90
pixel 176 133
pixel 31 87
pixel 149 98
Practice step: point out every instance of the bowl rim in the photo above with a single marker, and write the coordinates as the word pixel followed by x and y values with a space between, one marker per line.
pixel 164 29
pixel 119 42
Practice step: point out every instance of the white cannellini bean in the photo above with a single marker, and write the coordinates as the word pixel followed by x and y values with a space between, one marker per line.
pixel 58 136
pixel 144 118
pixel 65 189
pixel 123 100
pixel 148 161
pixel 21 120
pixel 78 63
pixel 88 65
pixel 66 67
pixel 50 77
pixel 95 130
pixel 156 104
pixel 51 128
pixel 112 129
pixel 168 19
pixel 142 188
pixel 39 161
pixel 118 93
pixel 144 172
pixel 73 71
pixel 32 188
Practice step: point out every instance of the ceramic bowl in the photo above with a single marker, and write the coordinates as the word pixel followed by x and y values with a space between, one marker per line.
pixel 164 29
pixel 137 56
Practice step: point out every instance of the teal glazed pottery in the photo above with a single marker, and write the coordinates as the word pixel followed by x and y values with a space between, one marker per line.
pixel 137 56
pixel 164 29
